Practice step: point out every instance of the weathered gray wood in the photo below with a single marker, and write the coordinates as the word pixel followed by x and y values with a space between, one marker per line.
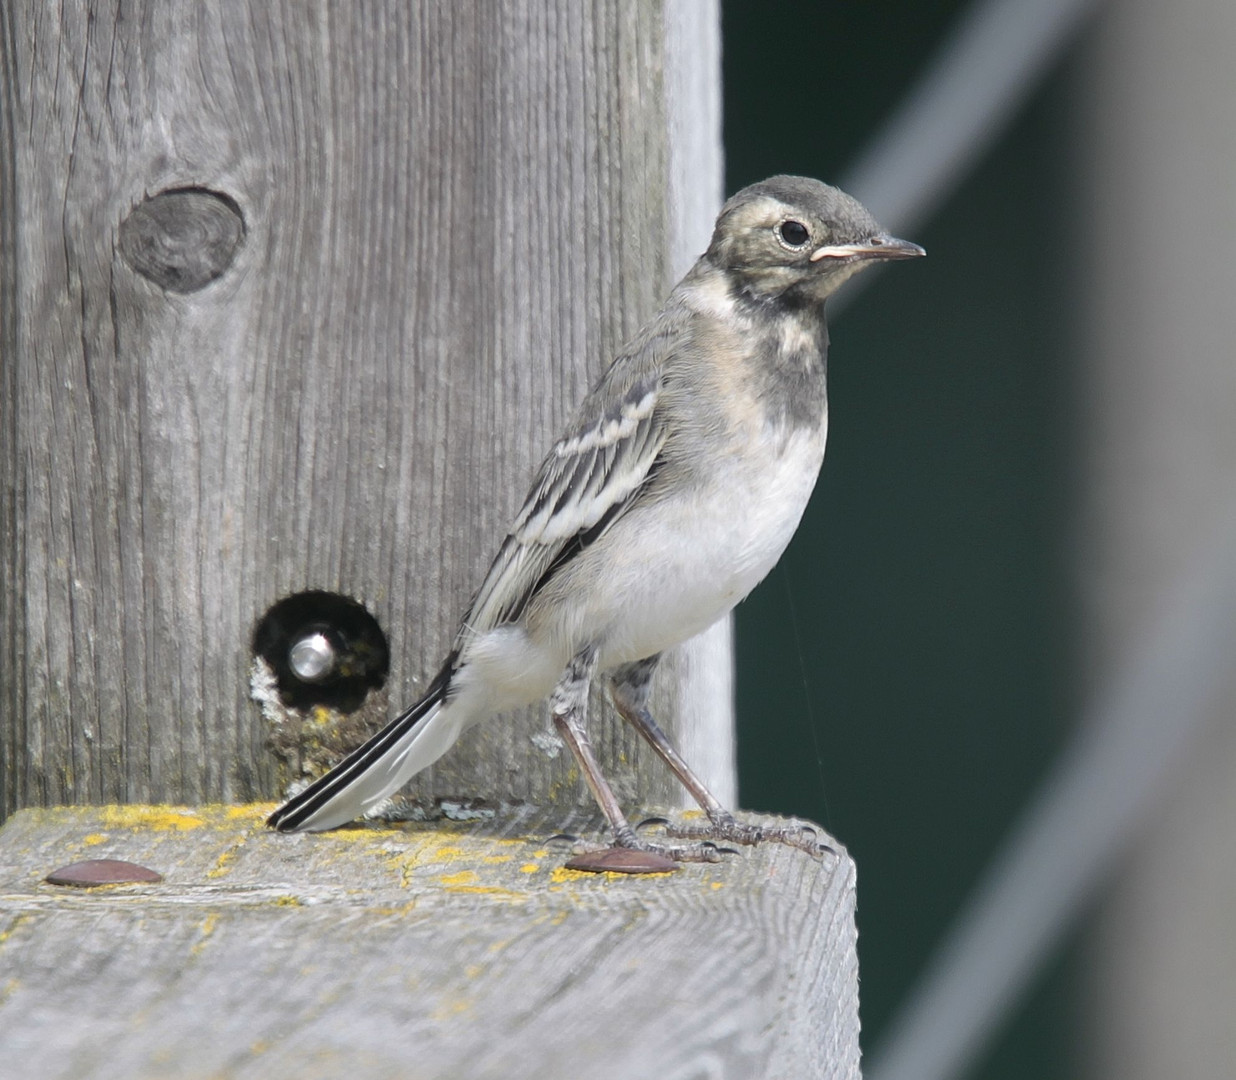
pixel 452 215
pixel 296 298
pixel 696 167
pixel 417 951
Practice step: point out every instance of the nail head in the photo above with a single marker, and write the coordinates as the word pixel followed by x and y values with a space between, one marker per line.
pixel 622 861
pixel 92 872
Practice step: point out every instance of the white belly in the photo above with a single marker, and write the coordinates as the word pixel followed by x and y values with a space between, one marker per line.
pixel 675 575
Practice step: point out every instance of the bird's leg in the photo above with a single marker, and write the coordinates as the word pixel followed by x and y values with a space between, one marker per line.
pixel 629 688
pixel 568 707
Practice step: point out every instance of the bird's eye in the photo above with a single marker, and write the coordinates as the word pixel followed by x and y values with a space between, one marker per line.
pixel 793 233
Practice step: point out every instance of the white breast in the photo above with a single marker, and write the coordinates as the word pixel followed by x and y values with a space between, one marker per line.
pixel 679 572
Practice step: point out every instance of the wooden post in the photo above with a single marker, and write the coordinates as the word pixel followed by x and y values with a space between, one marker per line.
pixel 295 298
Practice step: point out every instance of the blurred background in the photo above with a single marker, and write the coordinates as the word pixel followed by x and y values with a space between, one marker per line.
pixel 1032 444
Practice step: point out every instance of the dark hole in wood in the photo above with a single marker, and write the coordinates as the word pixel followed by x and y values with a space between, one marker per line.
pixel 184 238
pixel 360 656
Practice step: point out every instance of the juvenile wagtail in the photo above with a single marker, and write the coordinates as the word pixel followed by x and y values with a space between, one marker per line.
pixel 673 492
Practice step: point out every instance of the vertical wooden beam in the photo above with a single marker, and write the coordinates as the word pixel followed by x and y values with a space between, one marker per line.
pixel 296 297
pixel 695 171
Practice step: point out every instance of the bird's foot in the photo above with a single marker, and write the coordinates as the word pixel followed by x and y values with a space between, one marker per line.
pixel 633 854
pixel 725 828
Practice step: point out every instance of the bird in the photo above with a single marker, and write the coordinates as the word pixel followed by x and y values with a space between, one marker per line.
pixel 672 493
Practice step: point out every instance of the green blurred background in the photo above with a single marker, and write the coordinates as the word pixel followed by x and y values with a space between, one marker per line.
pixel 905 674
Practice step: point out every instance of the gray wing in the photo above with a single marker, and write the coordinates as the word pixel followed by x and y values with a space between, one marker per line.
pixel 589 479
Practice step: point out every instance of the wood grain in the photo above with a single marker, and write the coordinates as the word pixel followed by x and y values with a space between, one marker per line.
pixel 416 951
pixel 417 233
pixel 452 216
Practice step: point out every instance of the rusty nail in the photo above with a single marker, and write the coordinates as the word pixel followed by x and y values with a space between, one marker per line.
pixel 622 861
pixel 92 872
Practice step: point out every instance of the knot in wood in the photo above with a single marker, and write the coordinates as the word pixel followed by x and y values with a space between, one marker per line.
pixel 182 239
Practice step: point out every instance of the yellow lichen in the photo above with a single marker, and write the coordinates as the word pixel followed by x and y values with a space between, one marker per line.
pixel 464 877
pixel 446 851
pixel 255 812
pixel 223 863
pixel 205 929
pixel 18 922
pixel 157 818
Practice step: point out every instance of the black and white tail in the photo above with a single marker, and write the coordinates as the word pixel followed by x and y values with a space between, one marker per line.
pixel 377 768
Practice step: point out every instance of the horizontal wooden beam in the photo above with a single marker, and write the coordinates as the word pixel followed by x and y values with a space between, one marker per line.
pixel 414 950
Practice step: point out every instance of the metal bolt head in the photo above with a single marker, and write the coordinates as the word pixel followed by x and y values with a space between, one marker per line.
pixel 312 658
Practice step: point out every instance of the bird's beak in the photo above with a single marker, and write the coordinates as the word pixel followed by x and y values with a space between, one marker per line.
pixel 882 246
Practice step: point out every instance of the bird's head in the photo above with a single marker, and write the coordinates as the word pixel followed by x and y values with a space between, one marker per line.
pixel 794 238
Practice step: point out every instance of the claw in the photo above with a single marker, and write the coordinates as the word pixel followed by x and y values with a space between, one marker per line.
pixel 652 821
pixel 813 847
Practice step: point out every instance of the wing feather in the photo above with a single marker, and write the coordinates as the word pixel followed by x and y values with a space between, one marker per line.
pixel 588 480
